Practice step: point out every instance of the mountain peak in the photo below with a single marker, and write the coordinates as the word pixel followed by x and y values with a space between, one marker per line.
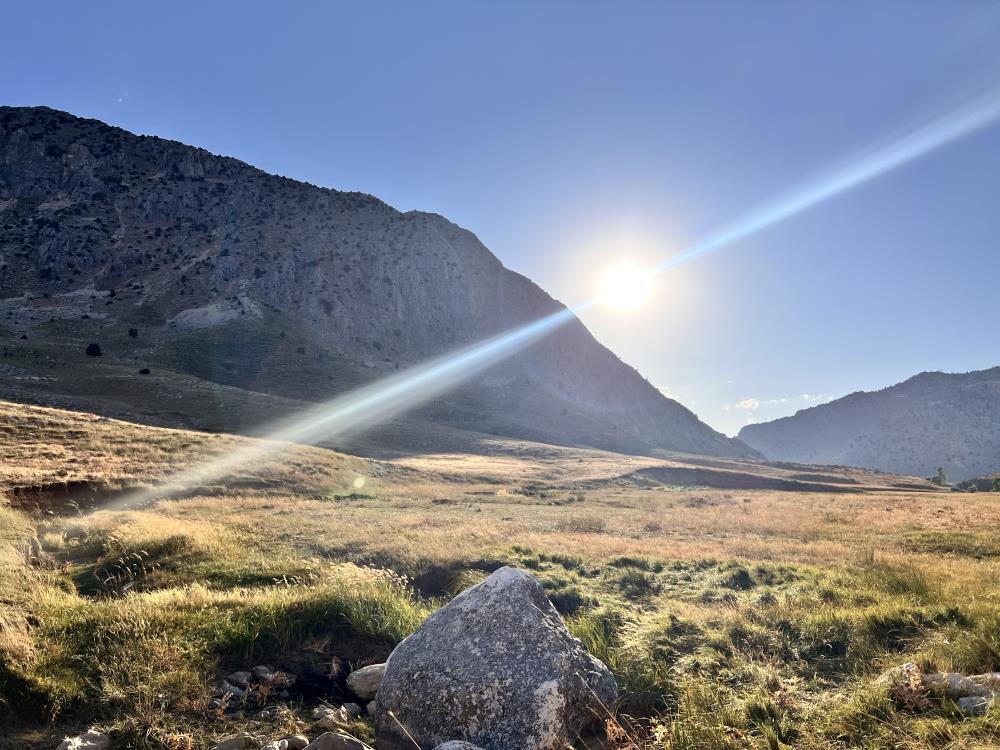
pixel 232 278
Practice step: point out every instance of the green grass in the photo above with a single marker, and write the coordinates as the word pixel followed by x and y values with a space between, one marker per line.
pixel 716 653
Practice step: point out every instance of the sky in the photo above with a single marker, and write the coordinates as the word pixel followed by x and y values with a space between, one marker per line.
pixel 573 136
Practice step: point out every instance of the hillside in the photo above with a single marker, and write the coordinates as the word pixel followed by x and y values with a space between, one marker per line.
pixel 933 419
pixel 247 295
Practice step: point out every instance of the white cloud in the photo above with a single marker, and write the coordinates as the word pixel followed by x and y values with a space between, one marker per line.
pixel 750 404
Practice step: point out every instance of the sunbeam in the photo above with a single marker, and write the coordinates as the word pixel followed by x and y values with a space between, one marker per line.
pixel 390 396
pixel 366 406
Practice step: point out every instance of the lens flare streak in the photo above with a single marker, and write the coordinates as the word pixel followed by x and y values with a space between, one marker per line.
pixel 364 407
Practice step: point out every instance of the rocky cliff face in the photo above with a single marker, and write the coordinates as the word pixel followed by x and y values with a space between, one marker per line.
pixel 933 419
pixel 201 266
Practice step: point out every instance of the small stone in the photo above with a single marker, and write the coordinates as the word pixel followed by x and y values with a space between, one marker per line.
pixel 370 708
pixel 365 682
pixel 974 705
pixel 296 741
pixel 333 719
pixel 89 740
pixel 238 741
pixel 955 685
pixel 262 673
pixel 458 745
pixel 276 745
pixel 227 687
pixel 337 741
pixel 353 709
pixel 240 679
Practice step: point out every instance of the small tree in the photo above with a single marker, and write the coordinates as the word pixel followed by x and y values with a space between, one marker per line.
pixel 133 332
pixel 973 487
pixel 93 350
pixel 996 484
pixel 940 479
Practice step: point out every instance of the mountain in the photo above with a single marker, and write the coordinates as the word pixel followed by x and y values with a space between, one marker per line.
pixel 247 295
pixel 933 419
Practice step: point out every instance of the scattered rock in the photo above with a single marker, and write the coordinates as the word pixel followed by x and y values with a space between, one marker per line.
pixel 296 741
pixel 497 666
pixel 337 741
pixel 276 745
pixel 457 745
pixel 89 740
pixel 238 741
pixel 974 705
pixel 365 682
pixel 262 672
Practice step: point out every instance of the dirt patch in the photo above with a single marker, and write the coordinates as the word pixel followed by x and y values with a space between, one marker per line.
pixel 727 480
pixel 65 498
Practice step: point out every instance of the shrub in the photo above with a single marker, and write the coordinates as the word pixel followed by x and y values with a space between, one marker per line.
pixel 94 350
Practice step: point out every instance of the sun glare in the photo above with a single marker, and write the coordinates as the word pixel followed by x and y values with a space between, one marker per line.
pixel 625 286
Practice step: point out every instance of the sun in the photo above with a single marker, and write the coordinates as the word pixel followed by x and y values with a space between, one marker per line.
pixel 625 286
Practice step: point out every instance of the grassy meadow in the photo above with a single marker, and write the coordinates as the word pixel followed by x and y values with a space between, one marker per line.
pixel 732 618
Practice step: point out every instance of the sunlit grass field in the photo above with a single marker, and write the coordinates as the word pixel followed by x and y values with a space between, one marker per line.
pixel 731 618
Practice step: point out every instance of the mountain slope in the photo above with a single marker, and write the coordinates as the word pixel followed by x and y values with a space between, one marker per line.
pixel 933 419
pixel 259 293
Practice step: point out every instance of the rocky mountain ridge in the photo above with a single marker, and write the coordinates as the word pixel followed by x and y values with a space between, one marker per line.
pixel 212 275
pixel 934 419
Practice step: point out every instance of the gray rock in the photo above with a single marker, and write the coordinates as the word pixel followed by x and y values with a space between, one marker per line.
pixel 337 741
pixel 457 745
pixel 495 666
pixel 89 740
pixel 975 705
pixel 296 741
pixel 239 679
pixel 238 741
pixel 353 709
pixel 226 687
pixel 954 685
pixel 333 719
pixel 365 682
pixel 262 672
pixel 276 745
pixel 370 708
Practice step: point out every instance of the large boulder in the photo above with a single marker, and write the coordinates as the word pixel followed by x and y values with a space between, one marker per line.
pixel 498 668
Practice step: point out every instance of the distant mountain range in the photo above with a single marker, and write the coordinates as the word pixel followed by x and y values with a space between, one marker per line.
pixel 932 420
pixel 213 295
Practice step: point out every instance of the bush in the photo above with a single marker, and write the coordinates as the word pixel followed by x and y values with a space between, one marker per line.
pixel 94 350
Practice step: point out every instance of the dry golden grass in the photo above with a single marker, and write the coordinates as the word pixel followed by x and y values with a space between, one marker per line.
pixel 706 602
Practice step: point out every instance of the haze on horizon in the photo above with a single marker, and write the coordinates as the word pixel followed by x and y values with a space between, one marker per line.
pixel 571 138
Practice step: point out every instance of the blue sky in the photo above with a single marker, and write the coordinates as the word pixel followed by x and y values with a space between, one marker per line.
pixel 573 135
